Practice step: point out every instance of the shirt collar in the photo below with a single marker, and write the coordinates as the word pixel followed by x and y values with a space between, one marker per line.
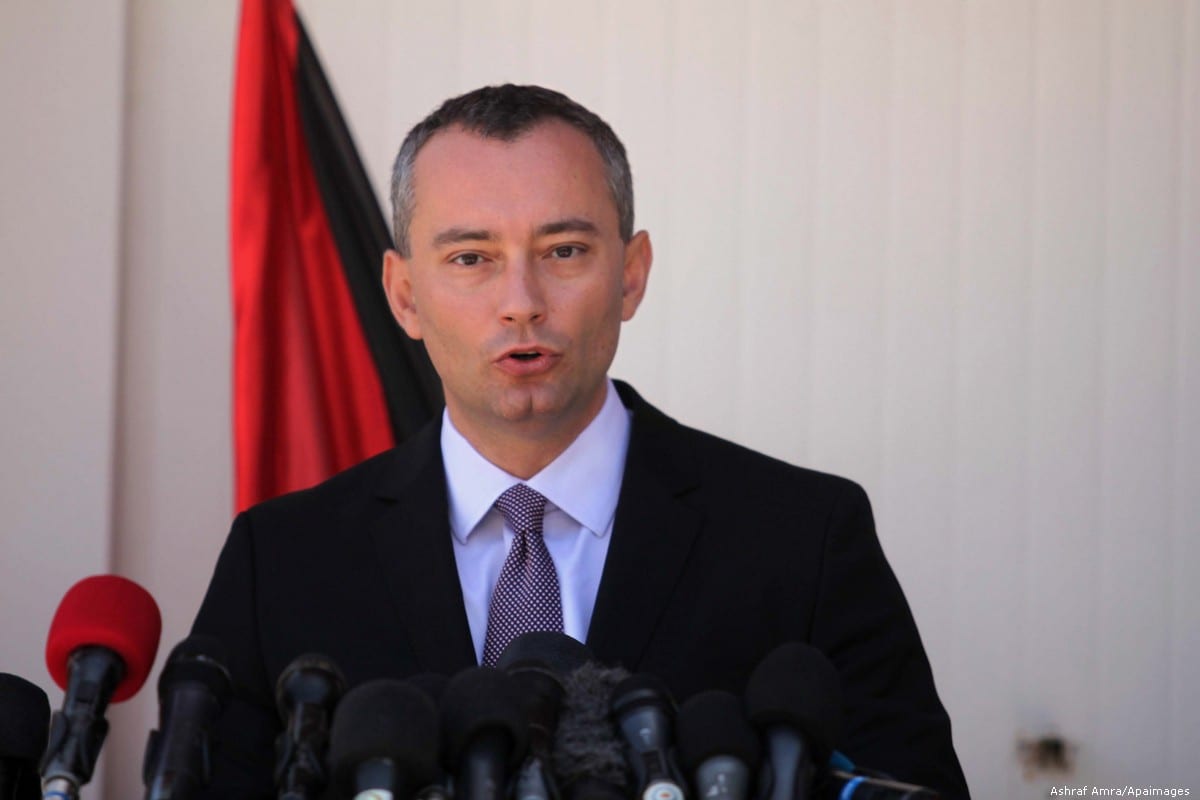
pixel 584 480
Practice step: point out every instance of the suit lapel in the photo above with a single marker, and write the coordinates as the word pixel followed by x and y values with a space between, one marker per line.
pixel 652 537
pixel 412 540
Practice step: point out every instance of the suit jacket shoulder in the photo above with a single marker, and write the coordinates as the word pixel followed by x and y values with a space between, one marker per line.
pixel 349 493
pixel 761 553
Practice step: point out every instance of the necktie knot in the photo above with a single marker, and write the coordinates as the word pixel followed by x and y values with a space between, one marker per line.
pixel 523 508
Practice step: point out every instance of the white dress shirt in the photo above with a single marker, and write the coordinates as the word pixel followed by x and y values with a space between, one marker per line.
pixel 581 488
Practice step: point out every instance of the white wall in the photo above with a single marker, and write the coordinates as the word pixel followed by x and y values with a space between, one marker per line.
pixel 947 249
pixel 61 88
pixel 174 481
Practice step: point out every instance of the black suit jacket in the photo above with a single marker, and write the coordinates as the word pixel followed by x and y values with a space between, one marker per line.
pixel 718 555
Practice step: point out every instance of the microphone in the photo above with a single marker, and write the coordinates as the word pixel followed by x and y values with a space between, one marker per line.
pixel 192 692
pixel 432 684
pixel 552 650
pixel 644 709
pixel 794 697
pixel 589 761
pixel 717 746
pixel 101 646
pixel 24 719
pixel 485 733
pixel 384 741
pixel 306 693
pixel 537 661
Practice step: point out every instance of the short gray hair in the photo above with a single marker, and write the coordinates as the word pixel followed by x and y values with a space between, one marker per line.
pixel 505 112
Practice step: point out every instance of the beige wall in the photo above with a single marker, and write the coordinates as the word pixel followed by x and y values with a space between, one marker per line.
pixel 61 80
pixel 947 249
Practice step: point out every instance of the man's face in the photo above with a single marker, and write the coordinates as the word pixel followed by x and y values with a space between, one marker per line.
pixel 518 279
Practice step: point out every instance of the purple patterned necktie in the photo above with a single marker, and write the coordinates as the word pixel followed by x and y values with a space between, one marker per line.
pixel 526 597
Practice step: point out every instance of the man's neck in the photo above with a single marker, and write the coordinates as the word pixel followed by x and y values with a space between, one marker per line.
pixel 525 448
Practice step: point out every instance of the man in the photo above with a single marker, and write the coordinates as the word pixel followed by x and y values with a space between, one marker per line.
pixel 547 497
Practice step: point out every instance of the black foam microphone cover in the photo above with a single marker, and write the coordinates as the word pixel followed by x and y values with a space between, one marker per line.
pixel 589 759
pixel 385 736
pixel 197 659
pixel 714 723
pixel 24 728
pixel 478 700
pixel 555 651
pixel 306 694
pixel 538 662
pixel 484 731
pixel 640 690
pixel 797 686
pixel 311 680
pixel 431 683
pixel 794 697
pixel 645 714
pixel 24 718
pixel 717 747
pixel 192 691
pixel 540 694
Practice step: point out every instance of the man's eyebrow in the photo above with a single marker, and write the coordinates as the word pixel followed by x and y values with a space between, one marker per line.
pixel 456 235
pixel 568 225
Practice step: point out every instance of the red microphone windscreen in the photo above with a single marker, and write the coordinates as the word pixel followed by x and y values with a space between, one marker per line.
pixel 108 611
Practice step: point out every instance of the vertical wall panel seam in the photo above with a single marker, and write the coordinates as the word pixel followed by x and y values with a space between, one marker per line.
pixel 888 282
pixel 526 64
pixel 1190 111
pixel 1033 208
pixel 1173 379
pixel 461 76
pixel 888 268
pixel 1094 676
pixel 609 93
pixel 114 557
pixel 1096 473
pixel 956 251
pixel 754 21
pixel 106 778
pixel 1188 227
pixel 956 542
pixel 672 56
pixel 740 387
pixel 814 211
pixel 741 375
pixel 530 39
pixel 887 249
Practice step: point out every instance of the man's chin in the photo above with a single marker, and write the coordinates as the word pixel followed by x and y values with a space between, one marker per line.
pixel 547 407
pixel 529 404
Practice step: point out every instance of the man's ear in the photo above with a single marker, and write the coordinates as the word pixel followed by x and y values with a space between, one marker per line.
pixel 638 257
pixel 397 285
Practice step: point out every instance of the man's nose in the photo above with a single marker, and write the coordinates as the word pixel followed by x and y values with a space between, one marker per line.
pixel 523 299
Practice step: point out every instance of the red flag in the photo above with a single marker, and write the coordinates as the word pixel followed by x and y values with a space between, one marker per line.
pixel 308 395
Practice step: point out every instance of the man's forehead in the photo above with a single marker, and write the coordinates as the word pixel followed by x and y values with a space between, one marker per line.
pixel 459 171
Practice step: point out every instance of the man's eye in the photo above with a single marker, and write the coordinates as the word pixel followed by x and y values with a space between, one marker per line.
pixel 467 259
pixel 566 251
